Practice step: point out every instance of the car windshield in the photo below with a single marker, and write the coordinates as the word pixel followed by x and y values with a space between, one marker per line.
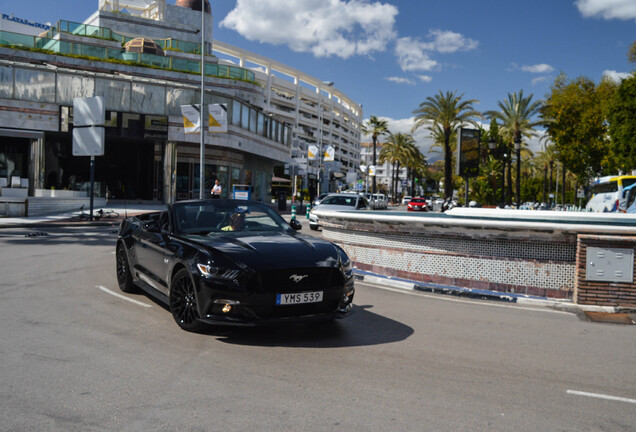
pixel 418 200
pixel 348 201
pixel 225 216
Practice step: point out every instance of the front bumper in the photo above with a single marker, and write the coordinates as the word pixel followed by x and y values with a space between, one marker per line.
pixel 220 306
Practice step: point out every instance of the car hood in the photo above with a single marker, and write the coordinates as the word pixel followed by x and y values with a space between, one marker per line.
pixel 270 251
pixel 334 207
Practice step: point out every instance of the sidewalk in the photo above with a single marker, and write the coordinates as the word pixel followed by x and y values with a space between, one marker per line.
pixel 65 218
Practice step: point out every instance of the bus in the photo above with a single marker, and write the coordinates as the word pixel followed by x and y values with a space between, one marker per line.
pixel 606 193
pixel 629 193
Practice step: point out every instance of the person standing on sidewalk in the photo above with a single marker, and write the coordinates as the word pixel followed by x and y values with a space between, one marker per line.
pixel 216 189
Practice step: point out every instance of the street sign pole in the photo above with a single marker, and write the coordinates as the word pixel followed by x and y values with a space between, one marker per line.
pixel 92 184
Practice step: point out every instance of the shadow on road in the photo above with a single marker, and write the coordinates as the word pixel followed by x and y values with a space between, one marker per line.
pixel 361 328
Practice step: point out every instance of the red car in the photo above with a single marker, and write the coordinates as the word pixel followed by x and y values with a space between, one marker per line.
pixel 417 204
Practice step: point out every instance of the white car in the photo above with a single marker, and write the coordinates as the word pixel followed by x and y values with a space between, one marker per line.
pixel 338 201
pixel 379 201
pixel 406 199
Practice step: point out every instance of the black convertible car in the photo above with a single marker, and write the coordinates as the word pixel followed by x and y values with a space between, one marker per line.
pixel 232 262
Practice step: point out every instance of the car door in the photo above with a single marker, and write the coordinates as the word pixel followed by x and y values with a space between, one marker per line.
pixel 152 258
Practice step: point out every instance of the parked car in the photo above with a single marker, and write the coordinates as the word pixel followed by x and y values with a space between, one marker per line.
pixel 379 202
pixel 319 198
pixel 417 204
pixel 232 262
pixel 338 201
pixel 406 199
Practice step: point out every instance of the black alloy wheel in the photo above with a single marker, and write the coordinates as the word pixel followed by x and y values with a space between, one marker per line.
pixel 183 302
pixel 124 277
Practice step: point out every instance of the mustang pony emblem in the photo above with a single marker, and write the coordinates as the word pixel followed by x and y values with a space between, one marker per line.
pixel 297 278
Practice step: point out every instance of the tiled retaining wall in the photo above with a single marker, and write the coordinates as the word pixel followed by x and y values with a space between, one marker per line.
pixel 532 253
pixel 522 266
pixel 603 293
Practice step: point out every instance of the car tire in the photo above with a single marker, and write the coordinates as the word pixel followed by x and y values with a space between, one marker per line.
pixel 183 302
pixel 313 227
pixel 124 276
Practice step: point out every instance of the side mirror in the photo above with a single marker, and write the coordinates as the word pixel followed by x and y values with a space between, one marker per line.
pixel 295 224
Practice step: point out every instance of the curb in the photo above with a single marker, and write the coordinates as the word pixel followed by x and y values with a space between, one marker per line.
pixel 520 299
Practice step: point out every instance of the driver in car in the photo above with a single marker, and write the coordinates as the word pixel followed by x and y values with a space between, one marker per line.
pixel 237 222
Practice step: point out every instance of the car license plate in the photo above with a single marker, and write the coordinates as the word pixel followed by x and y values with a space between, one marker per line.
pixel 299 298
pixel 417 208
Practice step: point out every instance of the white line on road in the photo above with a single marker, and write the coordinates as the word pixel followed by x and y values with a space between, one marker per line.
pixel 601 396
pixel 107 291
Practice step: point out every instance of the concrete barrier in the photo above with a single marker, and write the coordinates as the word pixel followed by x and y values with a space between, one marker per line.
pixel 510 251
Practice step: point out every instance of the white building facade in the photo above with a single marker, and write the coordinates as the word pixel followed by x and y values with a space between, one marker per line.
pixel 271 120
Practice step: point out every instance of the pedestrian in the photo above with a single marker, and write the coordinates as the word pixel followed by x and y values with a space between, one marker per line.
pixel 216 189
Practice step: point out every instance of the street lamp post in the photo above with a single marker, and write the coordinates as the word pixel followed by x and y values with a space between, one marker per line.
pixel 321 153
pixel 518 182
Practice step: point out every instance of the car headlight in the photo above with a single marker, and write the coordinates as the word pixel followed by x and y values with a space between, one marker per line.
pixel 208 270
pixel 347 268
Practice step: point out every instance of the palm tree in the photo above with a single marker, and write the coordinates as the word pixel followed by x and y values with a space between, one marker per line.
pixel 516 115
pixel 446 112
pixel 375 127
pixel 547 157
pixel 400 150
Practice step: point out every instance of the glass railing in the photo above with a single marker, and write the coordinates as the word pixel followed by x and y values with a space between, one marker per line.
pixel 80 29
pixel 17 40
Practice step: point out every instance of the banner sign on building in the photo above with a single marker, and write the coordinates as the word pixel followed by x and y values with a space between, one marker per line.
pixel 191 118
pixel 312 151
pixel 468 153
pixel 330 154
pixel 218 118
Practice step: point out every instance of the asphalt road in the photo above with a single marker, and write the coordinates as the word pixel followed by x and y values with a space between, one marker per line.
pixel 77 355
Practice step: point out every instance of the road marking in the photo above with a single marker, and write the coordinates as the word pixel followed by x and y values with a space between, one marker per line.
pixel 601 396
pixel 107 291
pixel 465 301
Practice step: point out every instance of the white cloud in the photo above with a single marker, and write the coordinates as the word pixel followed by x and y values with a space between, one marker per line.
pixel 425 78
pixel 539 80
pixel 322 27
pixel 450 42
pixel 608 9
pixel 538 68
pixel 616 76
pixel 412 56
pixel 400 80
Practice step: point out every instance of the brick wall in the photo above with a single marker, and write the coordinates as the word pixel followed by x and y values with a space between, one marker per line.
pixel 588 292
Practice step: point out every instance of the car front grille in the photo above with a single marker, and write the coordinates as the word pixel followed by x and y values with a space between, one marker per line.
pixel 295 280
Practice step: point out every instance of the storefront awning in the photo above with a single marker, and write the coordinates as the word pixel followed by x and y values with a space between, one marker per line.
pixel 21 133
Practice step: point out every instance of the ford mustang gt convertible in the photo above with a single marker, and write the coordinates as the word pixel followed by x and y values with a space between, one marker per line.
pixel 232 262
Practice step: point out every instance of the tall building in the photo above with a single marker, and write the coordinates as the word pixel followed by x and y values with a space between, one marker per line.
pixel 144 58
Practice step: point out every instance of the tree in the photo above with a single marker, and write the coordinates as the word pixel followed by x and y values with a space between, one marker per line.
pixel 632 52
pixel 622 124
pixel 576 119
pixel 517 115
pixel 447 112
pixel 546 159
pixel 400 150
pixel 375 127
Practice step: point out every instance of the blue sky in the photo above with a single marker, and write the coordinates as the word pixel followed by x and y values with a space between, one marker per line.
pixel 389 55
